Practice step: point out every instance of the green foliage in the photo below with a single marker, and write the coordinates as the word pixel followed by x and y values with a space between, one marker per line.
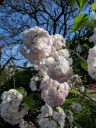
pixel 80 22
pixel 71 2
pixel 75 91
pixel 21 90
pixel 93 6
pixel 81 3
pixel 84 65
pixel 21 78
pixel 34 102
pixel 5 76
pixel 83 118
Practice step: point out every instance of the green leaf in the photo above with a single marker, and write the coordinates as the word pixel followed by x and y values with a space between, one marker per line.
pixel 33 101
pixel 84 65
pixel 81 3
pixel 80 21
pixel 21 90
pixel 71 2
pixel 28 101
pixel 93 6
pixel 92 96
pixel 75 91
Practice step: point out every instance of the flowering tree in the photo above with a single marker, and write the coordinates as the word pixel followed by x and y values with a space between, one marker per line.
pixel 54 81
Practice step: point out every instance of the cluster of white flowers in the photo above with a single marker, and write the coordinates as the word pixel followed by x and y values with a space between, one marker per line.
pixel 49 118
pixel 53 92
pixel 51 58
pixel 25 124
pixel 92 62
pixel 49 55
pixel 58 63
pixel 38 42
pixel 12 110
pixel 33 83
pixel 92 57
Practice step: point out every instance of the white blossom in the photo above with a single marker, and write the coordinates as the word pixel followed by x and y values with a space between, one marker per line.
pixel 33 85
pixel 82 88
pixel 60 70
pixel 39 43
pixel 54 93
pixel 58 41
pixel 43 122
pixel 25 124
pixel 76 106
pixel 46 110
pixel 92 62
pixel 79 49
pixel 11 108
pixel 57 117
pixel 52 124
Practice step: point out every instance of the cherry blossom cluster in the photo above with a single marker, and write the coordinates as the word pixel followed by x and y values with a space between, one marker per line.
pixel 92 62
pixel 49 118
pixel 49 55
pixel 92 57
pixel 12 110
pixel 38 42
pixel 53 92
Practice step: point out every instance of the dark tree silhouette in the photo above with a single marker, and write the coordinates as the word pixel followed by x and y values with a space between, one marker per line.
pixel 1 1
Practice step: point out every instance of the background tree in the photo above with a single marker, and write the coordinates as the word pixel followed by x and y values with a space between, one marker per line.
pixel 56 16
